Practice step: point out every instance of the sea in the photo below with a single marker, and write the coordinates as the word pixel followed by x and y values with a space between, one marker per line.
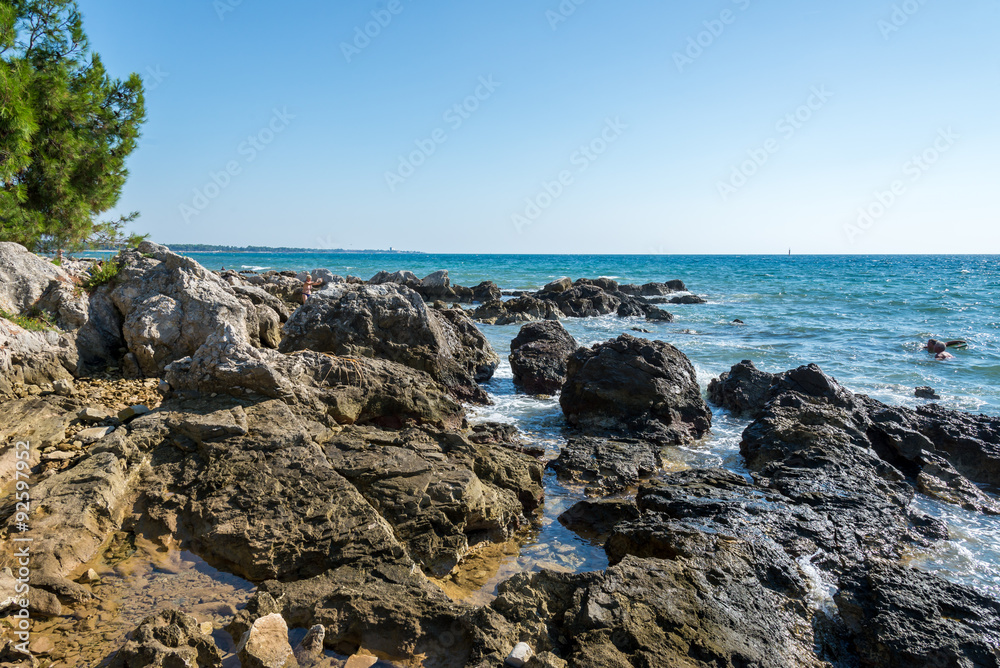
pixel 863 319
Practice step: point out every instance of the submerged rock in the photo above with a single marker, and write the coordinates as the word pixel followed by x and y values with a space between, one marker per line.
pixel 538 356
pixel 610 466
pixel 634 386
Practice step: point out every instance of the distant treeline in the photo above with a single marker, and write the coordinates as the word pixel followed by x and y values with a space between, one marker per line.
pixel 207 248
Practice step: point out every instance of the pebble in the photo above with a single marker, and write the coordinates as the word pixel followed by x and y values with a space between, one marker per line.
pixel 89 577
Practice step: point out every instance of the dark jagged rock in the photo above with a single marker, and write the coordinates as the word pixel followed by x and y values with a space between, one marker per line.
pixel 167 639
pixel 598 517
pixel 653 289
pixel 926 393
pixel 688 299
pixel 655 314
pixel 584 300
pixel 706 609
pixel 610 466
pixel 394 323
pixel 486 291
pixel 517 310
pixel 538 356
pixel 635 386
pixel 933 446
pixel 902 618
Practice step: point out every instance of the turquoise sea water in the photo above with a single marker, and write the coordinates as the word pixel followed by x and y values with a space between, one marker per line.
pixel 863 319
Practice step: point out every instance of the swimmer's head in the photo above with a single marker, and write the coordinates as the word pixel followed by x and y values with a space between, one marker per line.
pixel 939 347
pixel 931 343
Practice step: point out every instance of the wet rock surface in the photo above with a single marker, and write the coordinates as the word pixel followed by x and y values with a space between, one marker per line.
pixel 538 356
pixel 634 386
pixel 943 451
pixel 900 617
pixel 607 466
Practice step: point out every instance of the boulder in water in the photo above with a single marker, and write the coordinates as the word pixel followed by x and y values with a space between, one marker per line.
pixel 635 386
pixel 538 356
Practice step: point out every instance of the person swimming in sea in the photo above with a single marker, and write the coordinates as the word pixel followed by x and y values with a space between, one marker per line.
pixel 307 286
pixel 940 348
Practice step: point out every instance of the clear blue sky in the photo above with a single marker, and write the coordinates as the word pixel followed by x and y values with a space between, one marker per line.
pixel 921 80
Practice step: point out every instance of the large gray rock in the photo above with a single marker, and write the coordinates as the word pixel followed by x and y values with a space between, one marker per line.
pixel 703 607
pixel 514 311
pixel 635 386
pixel 349 391
pixel 472 349
pixel 392 322
pixel 28 282
pixel 538 356
pixel 32 358
pixel 171 305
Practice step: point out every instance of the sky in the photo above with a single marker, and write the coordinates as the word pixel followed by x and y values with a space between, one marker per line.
pixel 580 126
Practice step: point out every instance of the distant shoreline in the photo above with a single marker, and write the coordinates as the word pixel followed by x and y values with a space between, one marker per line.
pixel 262 250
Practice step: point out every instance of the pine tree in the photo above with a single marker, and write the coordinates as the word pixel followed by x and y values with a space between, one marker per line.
pixel 66 129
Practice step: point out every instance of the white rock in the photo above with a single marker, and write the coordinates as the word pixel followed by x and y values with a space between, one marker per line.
pixel 57 456
pixel 94 434
pixel 519 656
pixel 63 387
pixel 265 645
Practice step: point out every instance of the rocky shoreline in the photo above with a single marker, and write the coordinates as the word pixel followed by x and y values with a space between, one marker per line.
pixel 323 452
